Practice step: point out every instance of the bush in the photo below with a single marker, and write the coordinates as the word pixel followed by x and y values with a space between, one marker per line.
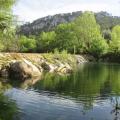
pixel 115 43
pixel 98 47
pixel 45 41
pixel 27 44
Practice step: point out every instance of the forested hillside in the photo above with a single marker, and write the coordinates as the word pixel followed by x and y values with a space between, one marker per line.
pixel 104 19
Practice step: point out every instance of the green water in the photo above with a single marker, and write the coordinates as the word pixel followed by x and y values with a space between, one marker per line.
pixel 91 92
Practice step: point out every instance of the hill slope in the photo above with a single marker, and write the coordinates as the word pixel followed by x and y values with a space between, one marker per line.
pixel 104 19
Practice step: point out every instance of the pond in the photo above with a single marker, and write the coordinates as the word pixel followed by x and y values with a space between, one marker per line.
pixel 91 92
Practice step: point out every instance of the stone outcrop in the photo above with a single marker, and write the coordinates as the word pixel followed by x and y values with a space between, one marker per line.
pixel 25 66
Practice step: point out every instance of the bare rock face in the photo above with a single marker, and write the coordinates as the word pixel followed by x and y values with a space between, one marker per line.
pixel 23 70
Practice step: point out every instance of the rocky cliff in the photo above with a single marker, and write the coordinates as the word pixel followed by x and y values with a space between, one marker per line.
pixel 50 22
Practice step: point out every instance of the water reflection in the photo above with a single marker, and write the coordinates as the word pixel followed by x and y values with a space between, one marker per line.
pixel 24 84
pixel 91 83
pixel 92 92
pixel 8 108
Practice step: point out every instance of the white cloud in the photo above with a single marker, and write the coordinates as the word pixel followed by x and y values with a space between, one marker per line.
pixel 29 10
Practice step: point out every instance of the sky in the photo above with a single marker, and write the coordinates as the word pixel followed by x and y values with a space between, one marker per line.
pixel 30 10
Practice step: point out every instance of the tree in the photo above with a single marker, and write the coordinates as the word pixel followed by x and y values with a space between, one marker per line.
pixel 45 41
pixel 10 40
pixel 5 23
pixel 5 13
pixel 87 30
pixel 115 43
pixel 27 44
pixel 98 48
pixel 66 38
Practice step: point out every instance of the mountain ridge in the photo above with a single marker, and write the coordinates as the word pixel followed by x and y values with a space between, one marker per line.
pixel 48 23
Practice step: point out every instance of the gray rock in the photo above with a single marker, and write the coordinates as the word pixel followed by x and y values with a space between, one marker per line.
pixel 23 70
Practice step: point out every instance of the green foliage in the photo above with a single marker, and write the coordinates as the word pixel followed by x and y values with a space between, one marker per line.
pixel 115 43
pixel 6 4
pixel 98 47
pixel 27 44
pixel 5 13
pixel 87 30
pixel 1 41
pixel 9 40
pixel 63 55
pixel 66 38
pixel 80 36
pixel 83 35
pixel 45 41
pixel 7 35
pixel 60 56
pixel 1 47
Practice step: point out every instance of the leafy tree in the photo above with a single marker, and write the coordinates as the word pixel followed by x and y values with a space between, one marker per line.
pixel 9 40
pixel 27 44
pixel 45 41
pixel 87 30
pixel 5 13
pixel 5 23
pixel 115 43
pixel 98 47
pixel 66 38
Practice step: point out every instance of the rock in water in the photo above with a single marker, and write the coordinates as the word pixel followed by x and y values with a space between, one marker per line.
pixel 23 70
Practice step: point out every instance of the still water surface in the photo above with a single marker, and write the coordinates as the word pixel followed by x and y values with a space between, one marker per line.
pixel 92 92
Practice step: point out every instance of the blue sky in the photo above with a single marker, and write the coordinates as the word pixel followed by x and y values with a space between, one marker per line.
pixel 29 10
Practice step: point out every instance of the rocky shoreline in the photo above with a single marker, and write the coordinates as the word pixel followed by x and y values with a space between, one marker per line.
pixel 24 66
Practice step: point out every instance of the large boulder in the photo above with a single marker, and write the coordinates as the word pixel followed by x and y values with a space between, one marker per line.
pixel 23 70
